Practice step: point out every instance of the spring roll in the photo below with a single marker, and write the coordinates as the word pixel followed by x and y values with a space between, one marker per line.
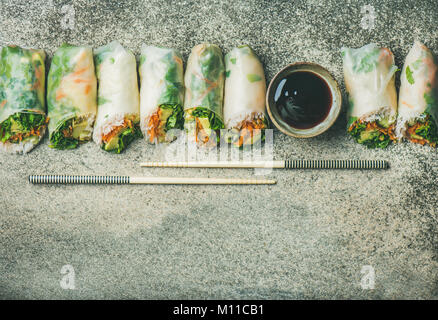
pixel 161 93
pixel 203 104
pixel 71 97
pixel 22 103
pixel 370 81
pixel 245 92
pixel 418 102
pixel 118 105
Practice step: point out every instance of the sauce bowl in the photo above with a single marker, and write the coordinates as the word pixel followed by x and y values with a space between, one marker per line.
pixel 336 103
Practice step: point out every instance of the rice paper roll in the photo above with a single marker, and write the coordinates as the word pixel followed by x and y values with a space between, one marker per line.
pixel 245 93
pixel 418 101
pixel 71 97
pixel 118 111
pixel 161 93
pixel 369 74
pixel 23 118
pixel 204 95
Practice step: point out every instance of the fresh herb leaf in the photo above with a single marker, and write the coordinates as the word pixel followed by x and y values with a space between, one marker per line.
pixel 253 77
pixel 102 100
pixel 366 61
pixel 142 59
pixel 409 75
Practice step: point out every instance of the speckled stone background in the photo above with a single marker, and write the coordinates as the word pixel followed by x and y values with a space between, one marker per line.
pixel 306 237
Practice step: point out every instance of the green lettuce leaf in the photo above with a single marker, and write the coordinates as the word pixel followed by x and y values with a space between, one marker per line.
pixel 125 138
pixel 215 122
pixel 372 139
pixel 59 141
pixel 428 130
pixel 176 119
pixel 20 122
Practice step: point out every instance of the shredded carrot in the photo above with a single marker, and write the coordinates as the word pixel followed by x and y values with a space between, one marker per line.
pixel 78 72
pixel 81 81
pixel 38 74
pixel 212 85
pixel 87 89
pixel 60 94
pixel 200 131
pixel 247 130
pixel 197 128
pixel 407 104
pixel 3 103
pixel 153 125
pixel 385 53
pixel 115 130
pixel 178 60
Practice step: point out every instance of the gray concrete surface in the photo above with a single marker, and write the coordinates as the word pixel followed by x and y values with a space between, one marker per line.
pixel 307 237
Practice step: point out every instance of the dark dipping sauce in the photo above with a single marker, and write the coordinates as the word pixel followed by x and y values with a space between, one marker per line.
pixel 303 99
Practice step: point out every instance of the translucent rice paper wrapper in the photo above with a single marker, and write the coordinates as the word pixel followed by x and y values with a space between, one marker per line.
pixel 369 74
pixel 118 95
pixel 245 87
pixel 22 88
pixel 71 87
pixel 419 87
pixel 162 81
pixel 204 79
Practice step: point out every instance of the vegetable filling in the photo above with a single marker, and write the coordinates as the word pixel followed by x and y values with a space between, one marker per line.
pixel 203 125
pixel 166 118
pixel 247 133
pixel 424 131
pixel 70 134
pixel 23 126
pixel 376 134
pixel 121 136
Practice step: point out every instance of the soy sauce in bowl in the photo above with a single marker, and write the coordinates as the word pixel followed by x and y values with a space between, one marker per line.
pixel 303 99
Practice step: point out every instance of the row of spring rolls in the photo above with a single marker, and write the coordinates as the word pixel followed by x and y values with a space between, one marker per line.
pixel 96 95
pixel 203 110
pixel 375 117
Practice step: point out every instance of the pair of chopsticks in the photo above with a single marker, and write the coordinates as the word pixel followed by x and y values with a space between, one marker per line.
pixel 277 164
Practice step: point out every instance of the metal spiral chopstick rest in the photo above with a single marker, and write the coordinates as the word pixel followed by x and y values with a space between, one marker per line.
pixel 336 164
pixel 66 179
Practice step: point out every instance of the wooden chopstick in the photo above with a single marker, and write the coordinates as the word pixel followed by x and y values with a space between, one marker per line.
pixel 275 164
pixel 67 179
